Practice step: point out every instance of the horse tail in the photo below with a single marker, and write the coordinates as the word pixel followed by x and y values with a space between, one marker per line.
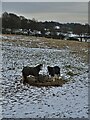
pixel 24 79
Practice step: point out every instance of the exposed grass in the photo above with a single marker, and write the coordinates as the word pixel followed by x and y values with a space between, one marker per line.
pixel 76 47
pixel 68 66
pixel 70 73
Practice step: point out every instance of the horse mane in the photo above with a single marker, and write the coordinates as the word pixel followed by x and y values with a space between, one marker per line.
pixel 38 67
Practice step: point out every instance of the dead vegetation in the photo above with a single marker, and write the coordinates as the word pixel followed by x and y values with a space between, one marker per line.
pixel 79 49
pixel 45 81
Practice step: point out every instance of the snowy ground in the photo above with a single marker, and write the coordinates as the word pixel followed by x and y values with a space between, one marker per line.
pixel 19 101
pixel 0 80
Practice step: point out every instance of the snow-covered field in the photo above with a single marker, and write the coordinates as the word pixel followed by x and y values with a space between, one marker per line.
pixel 19 101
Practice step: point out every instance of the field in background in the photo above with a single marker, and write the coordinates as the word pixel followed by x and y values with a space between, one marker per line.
pixel 78 48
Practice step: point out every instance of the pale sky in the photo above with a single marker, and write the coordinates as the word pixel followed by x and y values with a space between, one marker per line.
pixel 45 0
pixel 49 11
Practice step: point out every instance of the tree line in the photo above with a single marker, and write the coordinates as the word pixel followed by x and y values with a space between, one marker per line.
pixel 13 21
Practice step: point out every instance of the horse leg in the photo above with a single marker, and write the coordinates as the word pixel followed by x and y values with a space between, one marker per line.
pixel 53 78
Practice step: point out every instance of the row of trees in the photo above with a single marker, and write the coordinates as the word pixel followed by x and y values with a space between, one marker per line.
pixel 12 21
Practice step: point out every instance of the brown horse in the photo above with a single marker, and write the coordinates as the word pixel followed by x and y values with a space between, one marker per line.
pixel 34 71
